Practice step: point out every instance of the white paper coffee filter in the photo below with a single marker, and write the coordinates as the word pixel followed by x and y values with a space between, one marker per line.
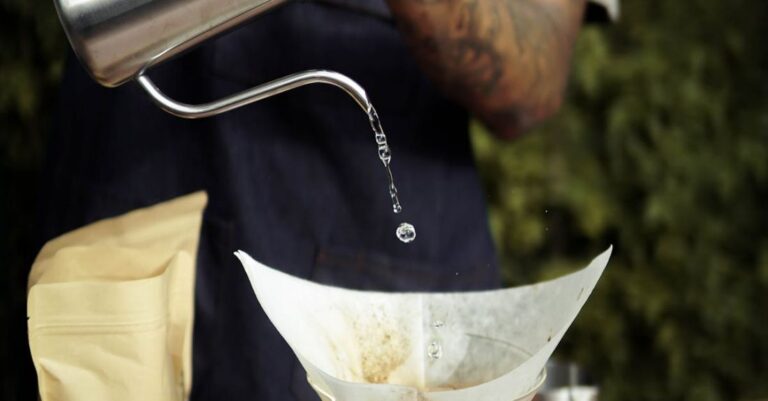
pixel 374 346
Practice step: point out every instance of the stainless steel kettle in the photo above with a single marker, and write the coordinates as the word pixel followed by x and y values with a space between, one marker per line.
pixel 119 40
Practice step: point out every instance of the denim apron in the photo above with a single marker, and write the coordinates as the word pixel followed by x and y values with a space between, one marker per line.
pixel 294 180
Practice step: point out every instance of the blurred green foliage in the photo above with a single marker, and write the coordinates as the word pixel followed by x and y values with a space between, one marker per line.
pixel 32 49
pixel 662 151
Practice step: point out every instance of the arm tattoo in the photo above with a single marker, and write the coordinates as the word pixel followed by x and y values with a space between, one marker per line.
pixel 504 59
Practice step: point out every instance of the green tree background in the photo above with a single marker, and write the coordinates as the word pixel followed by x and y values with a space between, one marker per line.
pixel 661 149
pixel 32 50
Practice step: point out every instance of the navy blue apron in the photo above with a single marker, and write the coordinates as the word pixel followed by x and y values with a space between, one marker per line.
pixel 293 180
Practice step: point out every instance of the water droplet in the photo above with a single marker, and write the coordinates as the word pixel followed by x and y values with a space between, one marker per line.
pixel 438 323
pixel 546 210
pixel 392 189
pixel 434 350
pixel 457 273
pixel 373 117
pixel 393 194
pixel 406 233
pixel 385 154
pixel 381 139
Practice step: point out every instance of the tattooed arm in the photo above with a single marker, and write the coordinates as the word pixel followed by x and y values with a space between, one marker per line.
pixel 507 61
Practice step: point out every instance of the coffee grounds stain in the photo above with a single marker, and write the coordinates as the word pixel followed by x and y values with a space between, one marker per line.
pixel 383 347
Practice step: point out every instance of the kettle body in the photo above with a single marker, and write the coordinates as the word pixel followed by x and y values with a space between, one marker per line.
pixel 119 40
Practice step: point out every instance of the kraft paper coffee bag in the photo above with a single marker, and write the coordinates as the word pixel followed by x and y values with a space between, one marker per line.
pixel 110 306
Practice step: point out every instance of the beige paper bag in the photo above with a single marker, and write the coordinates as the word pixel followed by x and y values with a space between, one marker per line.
pixel 110 306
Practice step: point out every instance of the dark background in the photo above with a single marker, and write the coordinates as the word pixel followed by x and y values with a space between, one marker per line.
pixel 661 150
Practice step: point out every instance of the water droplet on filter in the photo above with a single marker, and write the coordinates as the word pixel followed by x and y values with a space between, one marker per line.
pixel 406 233
pixel 434 350
pixel 438 323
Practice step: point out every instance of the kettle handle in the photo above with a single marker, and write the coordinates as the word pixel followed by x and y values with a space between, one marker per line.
pixel 259 92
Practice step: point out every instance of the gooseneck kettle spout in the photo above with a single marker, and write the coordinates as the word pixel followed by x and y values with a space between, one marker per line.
pixel 255 94
pixel 119 40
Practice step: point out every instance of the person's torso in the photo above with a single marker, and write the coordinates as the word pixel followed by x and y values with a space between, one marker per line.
pixel 293 180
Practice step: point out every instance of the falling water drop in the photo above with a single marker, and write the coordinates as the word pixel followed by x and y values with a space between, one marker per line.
pixel 385 154
pixel 380 138
pixel 406 233
pixel 396 207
